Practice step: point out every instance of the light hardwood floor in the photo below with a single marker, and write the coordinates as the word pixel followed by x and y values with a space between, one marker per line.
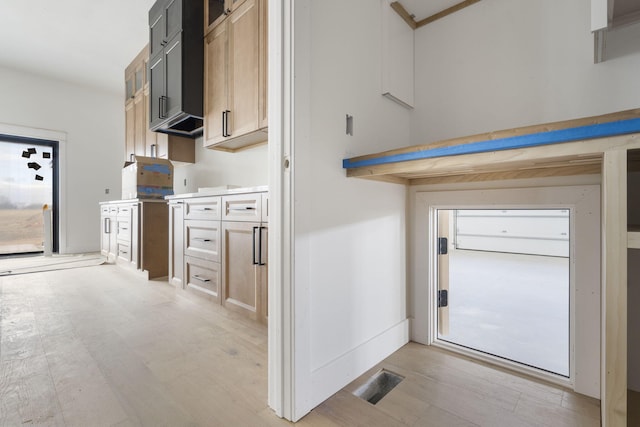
pixel 99 346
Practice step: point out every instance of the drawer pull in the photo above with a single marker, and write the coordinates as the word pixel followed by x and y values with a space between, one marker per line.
pixel 203 210
pixel 202 279
pixel 124 252
pixel 244 208
pixel 201 239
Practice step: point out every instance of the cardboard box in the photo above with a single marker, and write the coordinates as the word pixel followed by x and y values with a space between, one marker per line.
pixel 147 178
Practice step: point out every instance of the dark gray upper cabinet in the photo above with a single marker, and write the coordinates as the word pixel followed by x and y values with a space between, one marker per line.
pixel 176 67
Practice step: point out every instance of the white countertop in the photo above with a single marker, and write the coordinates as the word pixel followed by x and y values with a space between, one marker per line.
pixel 134 201
pixel 219 192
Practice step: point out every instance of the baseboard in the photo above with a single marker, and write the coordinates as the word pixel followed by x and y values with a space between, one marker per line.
pixel 333 376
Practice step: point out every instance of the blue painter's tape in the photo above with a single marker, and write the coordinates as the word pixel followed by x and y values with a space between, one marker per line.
pixel 601 130
pixel 157 191
pixel 163 169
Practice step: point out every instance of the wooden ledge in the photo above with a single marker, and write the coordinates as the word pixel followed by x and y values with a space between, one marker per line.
pixel 478 154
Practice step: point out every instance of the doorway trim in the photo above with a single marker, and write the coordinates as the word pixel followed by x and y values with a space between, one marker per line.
pixel 18 131
pixel 584 201
pixel 55 188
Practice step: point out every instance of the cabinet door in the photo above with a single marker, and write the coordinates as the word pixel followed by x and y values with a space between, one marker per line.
pixel 240 278
pixel 216 95
pixel 157 31
pixel 105 227
pixel 176 244
pixel 151 136
pixel 232 5
pixel 244 64
pixel 262 275
pixel 135 235
pixel 173 18
pixel 129 87
pixel 129 119
pixel 214 13
pixel 156 89
pixel 173 76
pixel 140 125
pixel 263 84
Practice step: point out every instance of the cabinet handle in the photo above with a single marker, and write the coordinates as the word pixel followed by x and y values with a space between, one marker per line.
pixel 225 123
pixel 253 247
pixel 260 262
pixel 243 208
pixel 154 150
pixel 162 107
pixel 202 239
pixel 107 225
pixel 202 279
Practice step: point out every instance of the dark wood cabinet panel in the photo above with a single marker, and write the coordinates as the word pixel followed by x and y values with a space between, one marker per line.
pixel 176 67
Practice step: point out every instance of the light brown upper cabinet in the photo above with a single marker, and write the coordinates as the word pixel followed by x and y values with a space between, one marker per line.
pixel 139 139
pixel 235 78
pixel 134 106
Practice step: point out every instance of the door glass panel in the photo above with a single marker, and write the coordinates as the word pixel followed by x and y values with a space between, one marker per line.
pixel 505 274
pixel 26 185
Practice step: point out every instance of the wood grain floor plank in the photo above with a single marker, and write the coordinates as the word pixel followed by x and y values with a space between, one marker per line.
pixel 27 394
pixel 118 350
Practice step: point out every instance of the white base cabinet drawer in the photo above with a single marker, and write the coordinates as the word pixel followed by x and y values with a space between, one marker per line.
pixel 207 208
pixel 124 252
pixel 242 207
pixel 202 239
pixel 203 276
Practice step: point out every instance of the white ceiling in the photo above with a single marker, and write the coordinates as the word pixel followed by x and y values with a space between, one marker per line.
pixel 91 42
pixel 82 41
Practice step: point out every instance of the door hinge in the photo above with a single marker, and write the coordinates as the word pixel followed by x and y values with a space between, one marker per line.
pixel 443 298
pixel 443 245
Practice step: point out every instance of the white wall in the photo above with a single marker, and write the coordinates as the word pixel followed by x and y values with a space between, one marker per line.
pixel 500 64
pixel 246 168
pixel 350 268
pixel 93 121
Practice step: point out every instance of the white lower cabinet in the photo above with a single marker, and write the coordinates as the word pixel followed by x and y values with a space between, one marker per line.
pixel 176 242
pixel 223 244
pixel 134 233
